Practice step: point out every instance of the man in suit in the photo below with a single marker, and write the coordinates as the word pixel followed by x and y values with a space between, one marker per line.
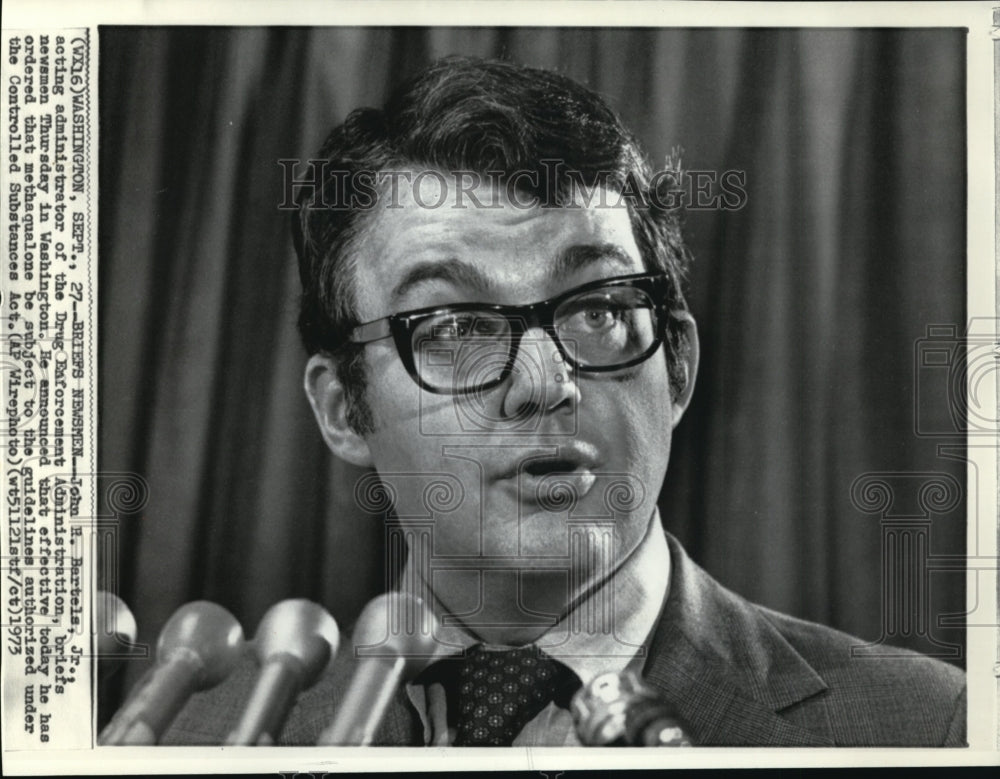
pixel 493 310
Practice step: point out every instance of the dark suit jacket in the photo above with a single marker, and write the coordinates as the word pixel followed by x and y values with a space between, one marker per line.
pixel 738 674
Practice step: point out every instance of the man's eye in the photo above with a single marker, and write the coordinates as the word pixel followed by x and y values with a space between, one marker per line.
pixel 451 329
pixel 489 326
pixel 601 318
pixel 593 319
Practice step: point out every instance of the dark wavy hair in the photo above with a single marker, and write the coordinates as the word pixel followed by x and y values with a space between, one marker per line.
pixel 488 117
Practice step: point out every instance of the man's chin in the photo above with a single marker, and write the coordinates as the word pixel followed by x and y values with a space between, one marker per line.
pixel 513 605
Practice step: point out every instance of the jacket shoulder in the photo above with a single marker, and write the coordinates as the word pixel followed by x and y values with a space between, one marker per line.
pixel 886 695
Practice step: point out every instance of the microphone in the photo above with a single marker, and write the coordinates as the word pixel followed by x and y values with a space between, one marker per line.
pixel 621 710
pixel 295 641
pixel 198 647
pixel 116 633
pixel 394 639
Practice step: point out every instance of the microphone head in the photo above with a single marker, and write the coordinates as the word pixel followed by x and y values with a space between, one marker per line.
pixel 301 629
pixel 621 709
pixel 599 709
pixel 207 631
pixel 116 628
pixel 397 625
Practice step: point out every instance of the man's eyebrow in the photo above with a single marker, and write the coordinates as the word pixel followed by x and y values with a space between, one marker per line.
pixel 452 271
pixel 580 256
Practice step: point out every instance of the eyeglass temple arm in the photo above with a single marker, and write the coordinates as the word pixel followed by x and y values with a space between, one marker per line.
pixel 370 331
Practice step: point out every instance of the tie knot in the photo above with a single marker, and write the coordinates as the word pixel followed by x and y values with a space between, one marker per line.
pixel 494 693
pixel 528 661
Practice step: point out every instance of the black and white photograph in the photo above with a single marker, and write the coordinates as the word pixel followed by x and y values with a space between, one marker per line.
pixel 539 385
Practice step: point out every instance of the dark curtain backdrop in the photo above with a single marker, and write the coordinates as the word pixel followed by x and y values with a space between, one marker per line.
pixel 809 299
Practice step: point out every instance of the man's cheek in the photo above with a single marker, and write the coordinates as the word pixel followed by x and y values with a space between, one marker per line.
pixel 398 443
pixel 433 513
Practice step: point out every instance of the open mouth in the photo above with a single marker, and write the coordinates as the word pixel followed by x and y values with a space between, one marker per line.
pixel 543 466
pixel 554 483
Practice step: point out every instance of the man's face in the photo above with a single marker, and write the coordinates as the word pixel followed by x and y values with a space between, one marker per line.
pixel 508 542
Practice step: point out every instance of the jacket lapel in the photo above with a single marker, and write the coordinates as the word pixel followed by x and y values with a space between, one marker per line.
pixel 726 668
pixel 401 724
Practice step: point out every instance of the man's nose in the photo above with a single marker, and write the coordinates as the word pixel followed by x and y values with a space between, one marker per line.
pixel 541 381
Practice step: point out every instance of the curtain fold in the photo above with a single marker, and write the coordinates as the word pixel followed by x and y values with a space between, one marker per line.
pixel 809 299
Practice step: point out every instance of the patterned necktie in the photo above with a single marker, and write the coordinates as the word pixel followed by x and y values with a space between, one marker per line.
pixel 494 694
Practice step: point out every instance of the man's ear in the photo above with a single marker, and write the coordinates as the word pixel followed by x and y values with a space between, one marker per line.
pixel 688 359
pixel 329 403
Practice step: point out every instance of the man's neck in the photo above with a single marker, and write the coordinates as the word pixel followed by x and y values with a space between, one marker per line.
pixel 509 607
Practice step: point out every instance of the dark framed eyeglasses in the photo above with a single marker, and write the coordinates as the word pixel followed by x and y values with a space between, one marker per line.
pixel 602 326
